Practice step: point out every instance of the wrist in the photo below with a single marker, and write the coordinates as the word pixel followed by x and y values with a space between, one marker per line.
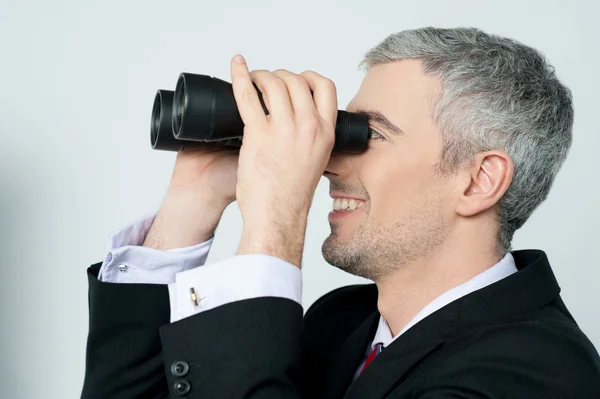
pixel 281 240
pixel 185 218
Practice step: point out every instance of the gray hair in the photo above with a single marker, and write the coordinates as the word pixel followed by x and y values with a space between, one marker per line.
pixel 497 94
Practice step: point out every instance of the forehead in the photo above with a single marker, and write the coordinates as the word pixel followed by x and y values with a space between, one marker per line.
pixel 400 90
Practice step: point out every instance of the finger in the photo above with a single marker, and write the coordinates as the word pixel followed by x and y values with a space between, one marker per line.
pixel 245 94
pixel 301 98
pixel 324 95
pixel 275 94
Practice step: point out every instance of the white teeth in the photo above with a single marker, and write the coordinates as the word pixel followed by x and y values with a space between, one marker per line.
pixel 337 204
pixel 344 204
pixel 352 204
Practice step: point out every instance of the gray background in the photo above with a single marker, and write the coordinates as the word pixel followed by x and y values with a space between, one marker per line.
pixel 77 82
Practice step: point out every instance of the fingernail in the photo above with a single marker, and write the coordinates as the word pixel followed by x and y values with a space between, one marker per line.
pixel 238 59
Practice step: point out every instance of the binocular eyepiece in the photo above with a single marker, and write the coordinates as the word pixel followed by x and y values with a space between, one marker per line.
pixel 203 109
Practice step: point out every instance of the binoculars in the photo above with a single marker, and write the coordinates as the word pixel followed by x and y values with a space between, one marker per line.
pixel 203 109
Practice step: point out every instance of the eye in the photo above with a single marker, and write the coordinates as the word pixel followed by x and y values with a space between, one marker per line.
pixel 373 135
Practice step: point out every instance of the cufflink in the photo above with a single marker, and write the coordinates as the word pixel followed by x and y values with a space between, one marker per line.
pixel 194 297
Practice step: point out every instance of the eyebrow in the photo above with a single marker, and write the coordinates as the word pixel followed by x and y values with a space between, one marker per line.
pixel 379 118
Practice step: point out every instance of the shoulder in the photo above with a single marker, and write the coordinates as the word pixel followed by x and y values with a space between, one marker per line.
pixel 546 356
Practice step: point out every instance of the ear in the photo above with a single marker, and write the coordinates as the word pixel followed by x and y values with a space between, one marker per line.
pixel 489 178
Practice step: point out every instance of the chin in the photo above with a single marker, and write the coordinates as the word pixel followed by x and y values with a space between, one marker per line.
pixel 339 254
pixel 330 249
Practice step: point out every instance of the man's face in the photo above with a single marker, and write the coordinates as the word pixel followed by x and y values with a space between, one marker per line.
pixel 407 204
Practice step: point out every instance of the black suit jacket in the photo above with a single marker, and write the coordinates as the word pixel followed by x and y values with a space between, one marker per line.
pixel 512 339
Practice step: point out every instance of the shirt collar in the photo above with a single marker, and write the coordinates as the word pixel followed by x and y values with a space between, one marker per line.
pixel 500 270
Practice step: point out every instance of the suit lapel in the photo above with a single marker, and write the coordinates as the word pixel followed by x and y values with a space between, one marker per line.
pixel 346 359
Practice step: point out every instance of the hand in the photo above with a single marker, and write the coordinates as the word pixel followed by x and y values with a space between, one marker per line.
pixel 202 185
pixel 283 155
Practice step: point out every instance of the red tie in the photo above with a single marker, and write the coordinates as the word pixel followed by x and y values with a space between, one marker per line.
pixel 376 351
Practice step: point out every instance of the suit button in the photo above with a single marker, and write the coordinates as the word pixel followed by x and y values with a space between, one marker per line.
pixel 180 369
pixel 181 387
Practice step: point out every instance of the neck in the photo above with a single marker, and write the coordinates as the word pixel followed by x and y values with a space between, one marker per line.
pixel 407 290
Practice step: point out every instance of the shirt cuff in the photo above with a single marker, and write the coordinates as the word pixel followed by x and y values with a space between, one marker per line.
pixel 129 262
pixel 238 278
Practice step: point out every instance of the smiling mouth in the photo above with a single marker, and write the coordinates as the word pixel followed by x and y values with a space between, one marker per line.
pixel 340 210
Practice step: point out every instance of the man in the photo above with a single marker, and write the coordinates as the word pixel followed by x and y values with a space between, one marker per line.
pixel 468 133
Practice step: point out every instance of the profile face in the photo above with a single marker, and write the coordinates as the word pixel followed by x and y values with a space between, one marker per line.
pixel 400 205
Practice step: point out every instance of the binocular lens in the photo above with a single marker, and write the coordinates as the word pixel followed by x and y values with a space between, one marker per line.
pixel 203 109
pixel 160 129
pixel 179 102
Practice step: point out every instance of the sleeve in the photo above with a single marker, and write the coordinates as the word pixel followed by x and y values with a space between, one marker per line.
pixel 247 322
pixel 255 275
pixel 124 352
pixel 238 278
pixel 129 262
pixel 248 347
pixel 257 296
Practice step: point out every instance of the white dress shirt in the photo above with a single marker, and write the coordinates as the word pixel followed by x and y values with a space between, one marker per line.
pixel 255 276
pixel 236 278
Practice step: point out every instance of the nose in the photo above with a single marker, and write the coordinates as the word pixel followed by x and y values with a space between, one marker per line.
pixel 338 165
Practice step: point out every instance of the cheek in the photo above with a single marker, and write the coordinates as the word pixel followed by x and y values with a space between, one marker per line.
pixel 395 185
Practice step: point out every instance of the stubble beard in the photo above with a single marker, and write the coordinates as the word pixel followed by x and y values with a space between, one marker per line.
pixel 375 252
